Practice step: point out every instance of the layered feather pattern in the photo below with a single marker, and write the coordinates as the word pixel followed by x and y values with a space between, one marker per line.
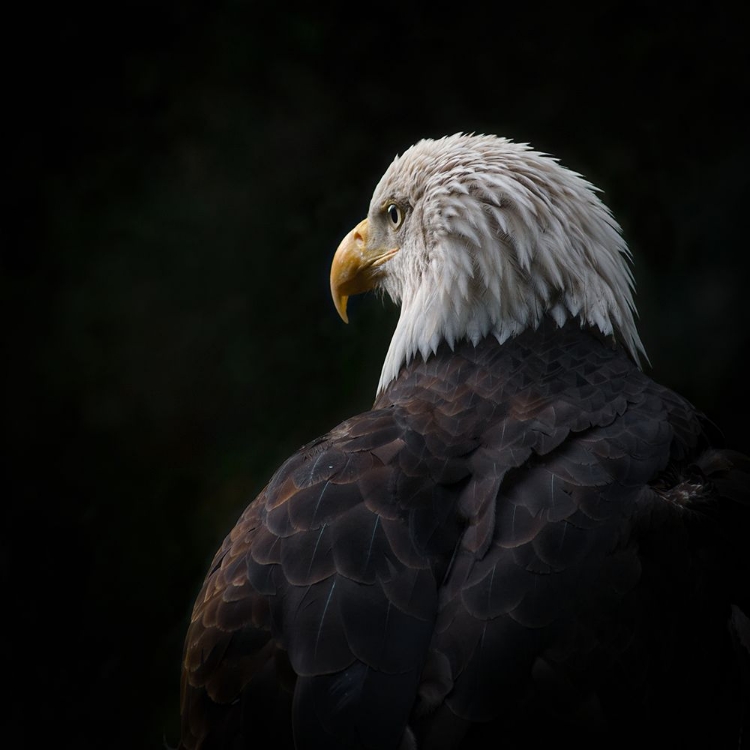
pixel 492 544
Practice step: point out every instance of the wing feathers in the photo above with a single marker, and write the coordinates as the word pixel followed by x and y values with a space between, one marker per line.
pixel 493 538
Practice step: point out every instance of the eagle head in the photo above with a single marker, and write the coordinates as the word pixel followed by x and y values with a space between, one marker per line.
pixel 475 235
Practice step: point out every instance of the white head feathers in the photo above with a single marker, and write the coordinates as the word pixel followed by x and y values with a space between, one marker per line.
pixel 494 237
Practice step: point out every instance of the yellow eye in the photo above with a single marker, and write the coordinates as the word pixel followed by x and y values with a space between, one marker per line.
pixel 395 215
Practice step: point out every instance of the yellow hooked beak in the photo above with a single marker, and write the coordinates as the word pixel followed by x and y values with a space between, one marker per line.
pixel 356 266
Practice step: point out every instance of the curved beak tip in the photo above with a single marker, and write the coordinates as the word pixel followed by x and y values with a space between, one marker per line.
pixel 340 301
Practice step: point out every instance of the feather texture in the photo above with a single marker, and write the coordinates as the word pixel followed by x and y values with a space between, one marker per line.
pixel 498 237
pixel 496 540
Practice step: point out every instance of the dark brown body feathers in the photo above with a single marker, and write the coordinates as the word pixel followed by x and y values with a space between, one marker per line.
pixel 519 544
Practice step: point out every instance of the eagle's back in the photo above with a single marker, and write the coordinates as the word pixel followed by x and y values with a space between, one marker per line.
pixel 519 541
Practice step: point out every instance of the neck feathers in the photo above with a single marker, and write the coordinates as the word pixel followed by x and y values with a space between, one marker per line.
pixel 509 239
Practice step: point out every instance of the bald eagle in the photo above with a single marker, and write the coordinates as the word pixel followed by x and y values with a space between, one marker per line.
pixel 526 540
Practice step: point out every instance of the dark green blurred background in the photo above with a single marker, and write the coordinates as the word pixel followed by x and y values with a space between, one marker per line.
pixel 179 176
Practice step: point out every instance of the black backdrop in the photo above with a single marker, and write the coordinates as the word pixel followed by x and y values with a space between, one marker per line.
pixel 179 176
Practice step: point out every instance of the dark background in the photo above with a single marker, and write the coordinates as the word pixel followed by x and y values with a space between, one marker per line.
pixel 179 177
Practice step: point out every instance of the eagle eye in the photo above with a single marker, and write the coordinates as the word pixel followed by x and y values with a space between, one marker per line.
pixel 395 215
